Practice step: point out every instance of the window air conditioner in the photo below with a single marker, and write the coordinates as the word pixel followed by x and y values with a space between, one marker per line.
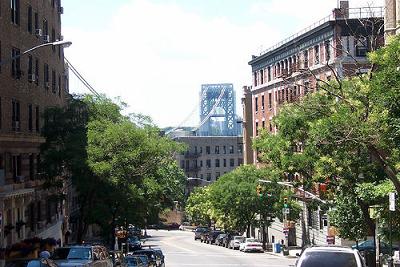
pixel 46 38
pixel 32 77
pixel 38 32
pixel 19 179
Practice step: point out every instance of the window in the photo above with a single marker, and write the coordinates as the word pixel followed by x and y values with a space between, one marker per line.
pixel 263 124
pixel 361 46
pixel 256 103
pixel 262 76
pixel 270 125
pixel 37 71
pixel 15 117
pixel 59 85
pixel 30 68
pixel 305 55
pixel 53 39
pixel 182 164
pixel 36 21
pixel 201 163
pixel 37 119
pixel 208 163
pixel 16 63
pixel 217 175
pixel 15 11
pixel 31 167
pixel 231 150
pixel 316 54
pixel 1 114
pixel 201 176
pixel 208 176
pixel 53 81
pixel 208 150
pixel 269 73
pixel 270 100
pixel 217 163
pixel 256 128
pixel 232 162
pixel 255 78
pixel 224 162
pixel 16 166
pixel 30 19
pixel 30 117
pixel 287 94
pixel 224 148
pixel 240 161
pixel 45 27
pixel 327 50
pixel 306 87
pixel 46 76
pixel 201 150
pixel 216 149
pixel 262 102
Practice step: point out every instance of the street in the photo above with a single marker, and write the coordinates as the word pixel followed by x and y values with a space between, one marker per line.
pixel 180 249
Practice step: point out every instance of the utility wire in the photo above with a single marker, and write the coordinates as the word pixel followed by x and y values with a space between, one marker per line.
pixel 80 77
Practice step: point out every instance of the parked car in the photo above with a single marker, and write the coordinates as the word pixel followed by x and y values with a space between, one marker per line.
pixel 236 241
pixel 227 239
pixel 160 256
pixel 117 258
pixel 154 257
pixel 134 261
pixel 145 260
pixel 220 238
pixel 369 245
pixel 330 256
pixel 198 231
pixel 82 255
pixel 134 243
pixel 210 238
pixel 251 244
pixel 134 231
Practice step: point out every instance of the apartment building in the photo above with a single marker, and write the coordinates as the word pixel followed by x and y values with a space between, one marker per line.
pixel 29 83
pixel 333 48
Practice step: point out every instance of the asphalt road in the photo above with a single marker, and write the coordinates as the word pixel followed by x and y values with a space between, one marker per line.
pixel 180 249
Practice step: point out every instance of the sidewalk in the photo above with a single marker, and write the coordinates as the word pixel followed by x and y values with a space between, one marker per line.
pixel 292 253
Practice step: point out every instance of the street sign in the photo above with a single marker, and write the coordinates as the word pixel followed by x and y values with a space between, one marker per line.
pixel 330 239
pixel 286 211
pixel 392 201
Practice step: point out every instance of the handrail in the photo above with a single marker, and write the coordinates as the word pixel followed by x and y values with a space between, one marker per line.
pixel 354 13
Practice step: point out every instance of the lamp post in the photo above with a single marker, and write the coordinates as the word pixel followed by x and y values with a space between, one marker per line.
pixel 56 43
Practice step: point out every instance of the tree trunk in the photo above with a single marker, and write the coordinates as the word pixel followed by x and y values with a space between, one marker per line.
pixel 390 172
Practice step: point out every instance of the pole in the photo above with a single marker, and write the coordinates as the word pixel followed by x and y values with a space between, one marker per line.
pixel 377 245
pixel 390 260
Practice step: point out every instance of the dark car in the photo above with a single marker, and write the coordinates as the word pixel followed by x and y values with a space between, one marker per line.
pixel 212 236
pixel 117 258
pixel 369 245
pixel 220 238
pixel 82 256
pixel 204 235
pixel 134 261
pixel 198 231
pixel 154 259
pixel 160 257
pixel 134 243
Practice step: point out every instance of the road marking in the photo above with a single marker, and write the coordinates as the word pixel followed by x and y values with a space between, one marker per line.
pixel 178 247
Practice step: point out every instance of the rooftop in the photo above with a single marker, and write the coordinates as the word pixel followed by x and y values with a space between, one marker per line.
pixel 337 14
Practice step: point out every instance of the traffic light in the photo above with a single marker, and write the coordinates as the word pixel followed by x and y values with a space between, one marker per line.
pixel 259 190
pixel 285 202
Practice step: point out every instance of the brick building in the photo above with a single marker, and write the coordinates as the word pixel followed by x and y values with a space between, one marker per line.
pixel 334 47
pixel 28 85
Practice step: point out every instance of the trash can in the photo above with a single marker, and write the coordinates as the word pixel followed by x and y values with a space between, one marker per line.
pixel 276 248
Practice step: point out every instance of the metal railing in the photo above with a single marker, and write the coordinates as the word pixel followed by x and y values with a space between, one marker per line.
pixel 353 13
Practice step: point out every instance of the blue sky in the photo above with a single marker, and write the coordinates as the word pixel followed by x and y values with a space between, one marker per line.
pixel 155 54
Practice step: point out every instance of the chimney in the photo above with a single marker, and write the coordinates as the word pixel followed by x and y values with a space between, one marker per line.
pixel 343 11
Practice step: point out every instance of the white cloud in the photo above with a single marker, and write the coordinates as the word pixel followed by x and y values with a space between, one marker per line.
pixel 156 56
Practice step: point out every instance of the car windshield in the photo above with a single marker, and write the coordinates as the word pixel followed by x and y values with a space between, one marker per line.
pixel 133 239
pixel 328 259
pixel 144 259
pixel 79 254
pixel 251 240
pixel 132 261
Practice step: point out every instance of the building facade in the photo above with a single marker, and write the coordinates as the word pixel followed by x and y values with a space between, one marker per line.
pixel 29 83
pixel 334 48
pixel 209 157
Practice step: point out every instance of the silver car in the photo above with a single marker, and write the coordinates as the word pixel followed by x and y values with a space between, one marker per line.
pixel 236 241
pixel 82 256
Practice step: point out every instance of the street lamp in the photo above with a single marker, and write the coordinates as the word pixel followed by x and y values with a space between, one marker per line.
pixel 56 43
